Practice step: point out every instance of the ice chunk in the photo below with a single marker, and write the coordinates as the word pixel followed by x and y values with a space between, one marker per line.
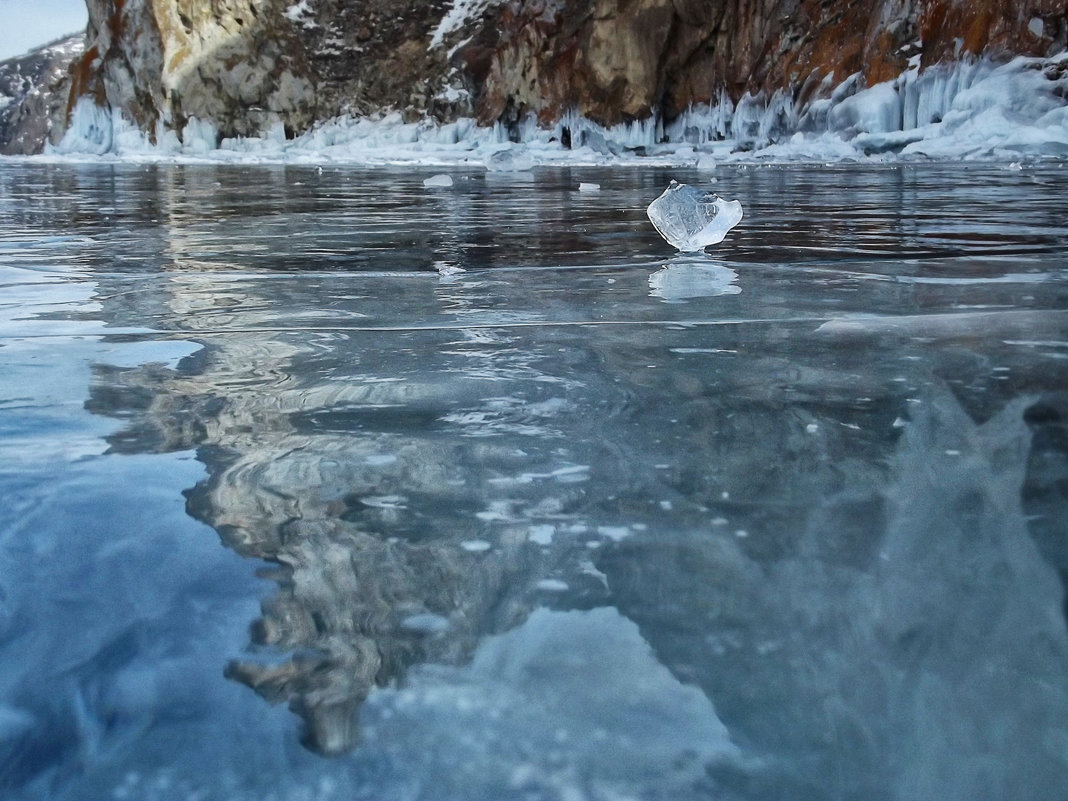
pixel 510 160
pixel 438 181
pixel 690 219
pixel 542 534
pixel 588 187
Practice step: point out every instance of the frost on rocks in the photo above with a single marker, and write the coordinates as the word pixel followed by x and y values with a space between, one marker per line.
pixel 690 219
pixel 459 15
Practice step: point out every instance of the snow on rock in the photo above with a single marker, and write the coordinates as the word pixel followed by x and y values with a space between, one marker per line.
pixel 34 89
pixel 460 13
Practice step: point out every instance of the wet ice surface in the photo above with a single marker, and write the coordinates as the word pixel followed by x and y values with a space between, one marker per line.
pixel 535 507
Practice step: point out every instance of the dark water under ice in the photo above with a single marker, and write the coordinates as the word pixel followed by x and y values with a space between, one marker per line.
pixel 332 486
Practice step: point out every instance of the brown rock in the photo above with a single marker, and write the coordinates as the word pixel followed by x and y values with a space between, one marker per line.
pixel 249 65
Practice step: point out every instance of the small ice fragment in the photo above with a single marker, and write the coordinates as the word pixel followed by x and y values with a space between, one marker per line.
pixel 507 161
pixel 690 219
pixel 384 501
pixel 741 533
pixel 706 162
pixel 379 459
pixel 438 181
pixel 425 623
pixel 447 269
pixel 812 428
pixel 552 585
pixel 588 187
pixel 475 546
pixel 541 535
pixel 614 533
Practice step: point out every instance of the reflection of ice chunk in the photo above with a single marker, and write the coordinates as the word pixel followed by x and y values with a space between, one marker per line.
pixel 690 219
pixel 686 278
pixel 438 181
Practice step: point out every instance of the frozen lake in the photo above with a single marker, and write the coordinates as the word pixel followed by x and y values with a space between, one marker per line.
pixel 330 485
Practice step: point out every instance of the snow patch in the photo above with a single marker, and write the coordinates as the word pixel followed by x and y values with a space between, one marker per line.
pixel 460 13
pixel 298 12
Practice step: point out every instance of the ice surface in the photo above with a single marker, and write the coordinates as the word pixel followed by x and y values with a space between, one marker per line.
pixel 690 219
pixel 886 591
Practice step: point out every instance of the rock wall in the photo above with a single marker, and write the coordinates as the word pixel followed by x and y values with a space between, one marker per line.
pixel 620 60
pixel 33 95
pixel 253 65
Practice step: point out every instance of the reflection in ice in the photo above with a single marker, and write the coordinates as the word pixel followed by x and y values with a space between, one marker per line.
pixel 557 679
pixel 684 278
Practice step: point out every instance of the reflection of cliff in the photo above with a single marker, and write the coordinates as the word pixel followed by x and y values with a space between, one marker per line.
pixel 368 517
pixel 329 457
pixel 910 642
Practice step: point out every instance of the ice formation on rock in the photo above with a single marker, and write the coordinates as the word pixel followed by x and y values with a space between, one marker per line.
pixel 690 219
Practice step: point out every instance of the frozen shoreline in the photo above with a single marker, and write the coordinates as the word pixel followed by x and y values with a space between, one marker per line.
pixel 970 110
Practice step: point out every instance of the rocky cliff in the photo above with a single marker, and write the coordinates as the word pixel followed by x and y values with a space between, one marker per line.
pixel 33 95
pixel 253 65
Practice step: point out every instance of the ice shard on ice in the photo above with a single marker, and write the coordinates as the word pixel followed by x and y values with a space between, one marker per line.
pixel 690 219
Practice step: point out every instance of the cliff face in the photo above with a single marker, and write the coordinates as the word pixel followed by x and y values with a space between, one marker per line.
pixel 615 60
pixel 33 96
pixel 249 65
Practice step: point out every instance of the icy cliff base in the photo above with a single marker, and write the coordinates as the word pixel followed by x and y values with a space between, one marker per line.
pixel 972 110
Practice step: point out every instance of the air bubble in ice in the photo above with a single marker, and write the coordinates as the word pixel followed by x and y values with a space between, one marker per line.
pixel 690 219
